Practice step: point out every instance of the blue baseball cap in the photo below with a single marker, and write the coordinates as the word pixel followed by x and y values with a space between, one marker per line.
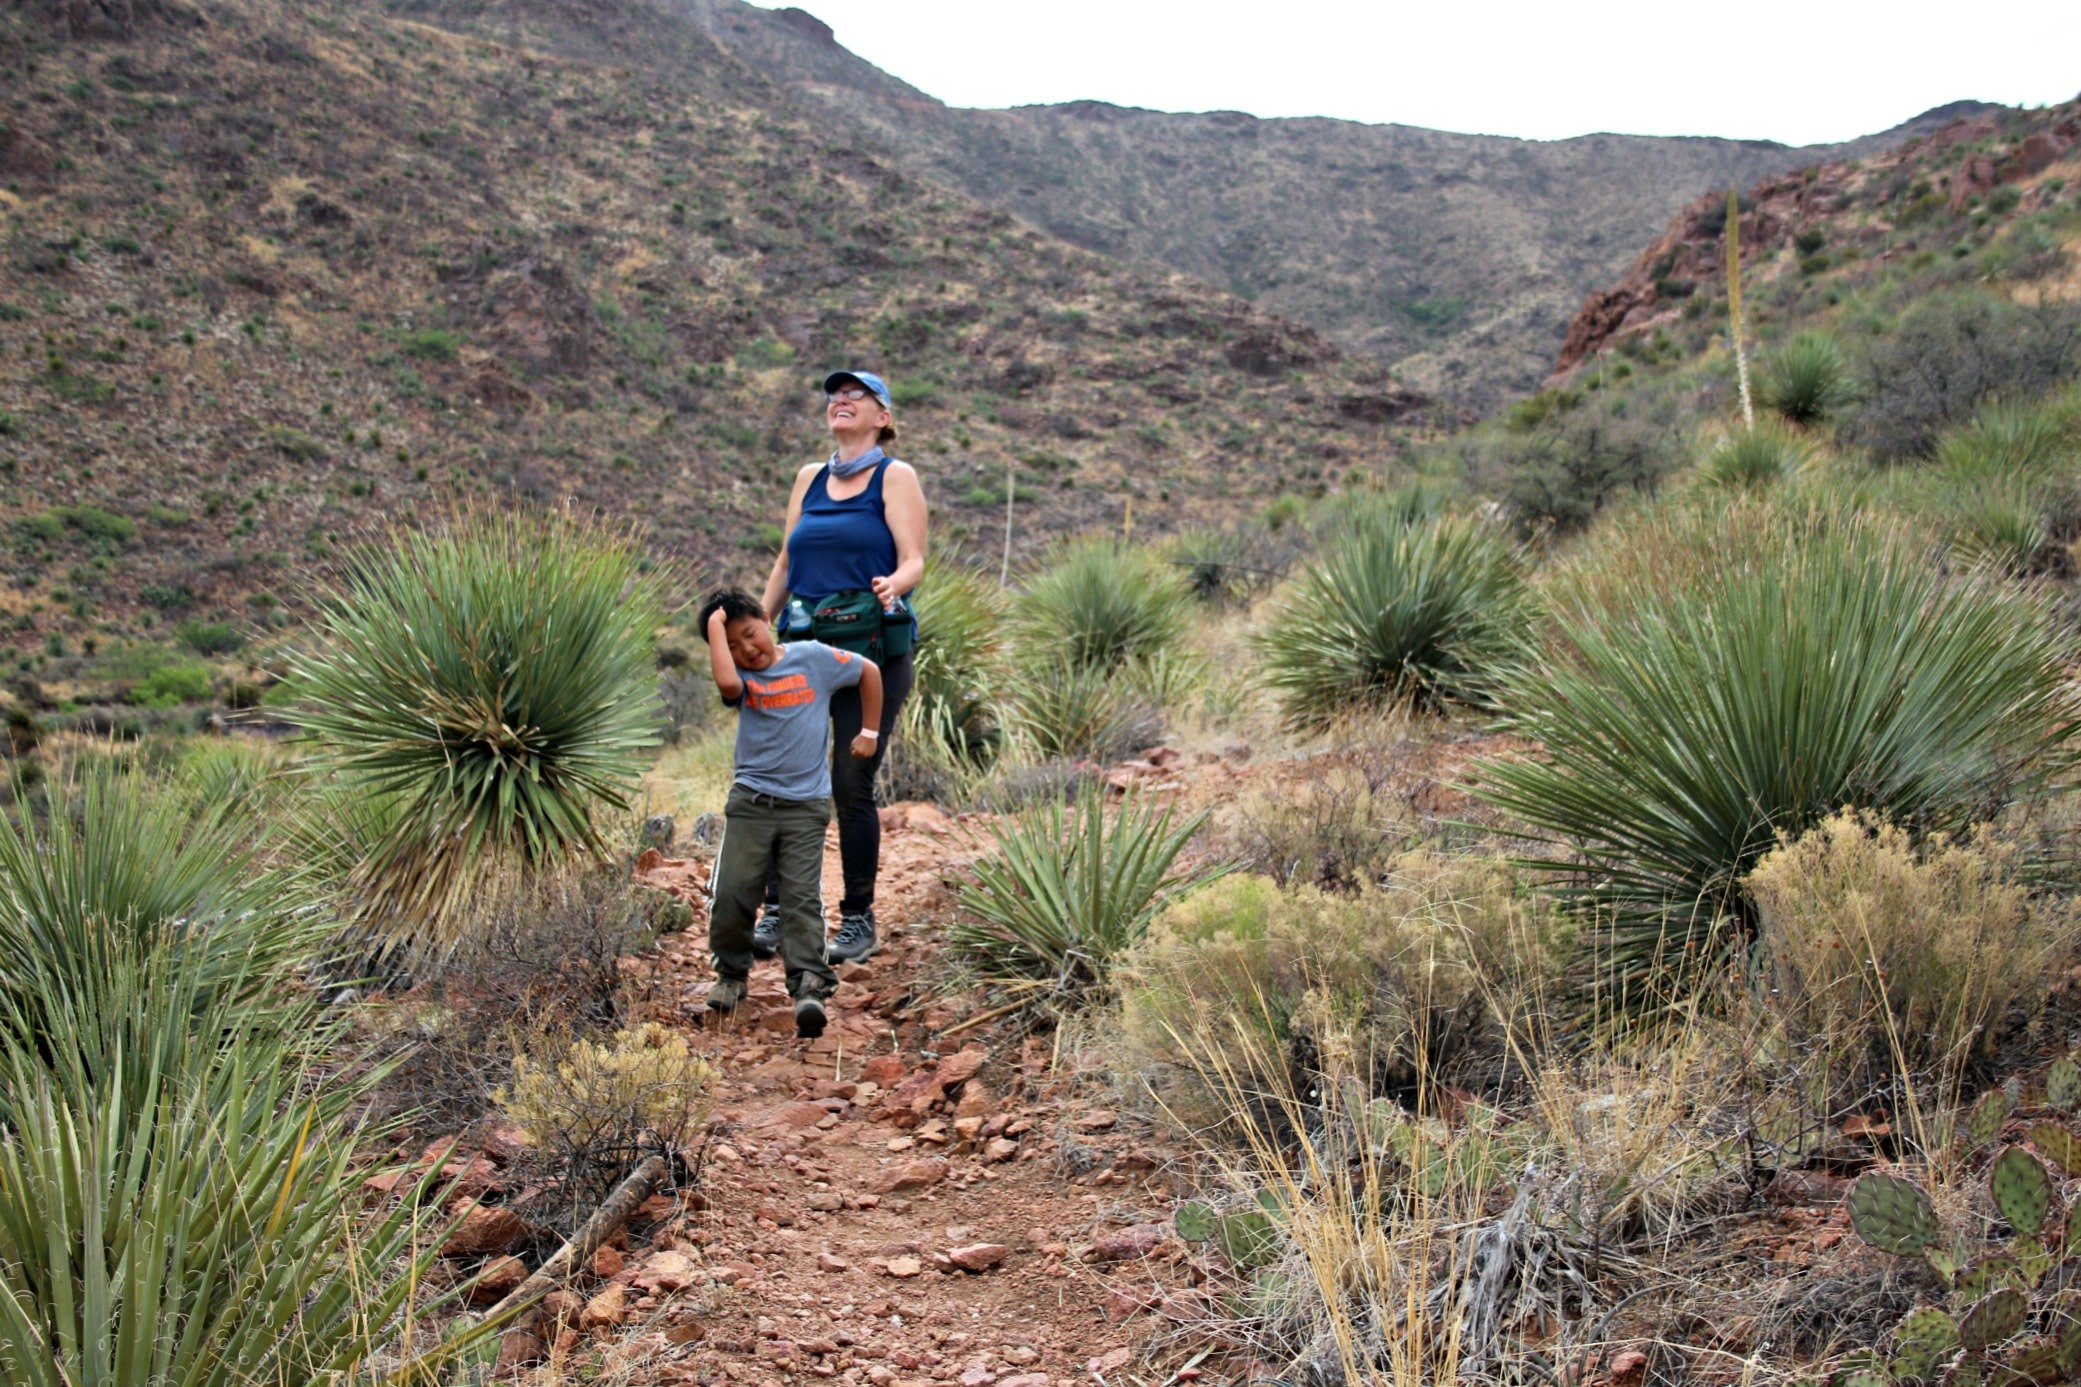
pixel 866 378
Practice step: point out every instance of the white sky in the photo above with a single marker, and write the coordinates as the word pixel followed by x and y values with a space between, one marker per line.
pixel 1802 73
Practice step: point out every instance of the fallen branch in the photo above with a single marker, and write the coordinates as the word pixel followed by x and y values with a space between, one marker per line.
pixel 640 1184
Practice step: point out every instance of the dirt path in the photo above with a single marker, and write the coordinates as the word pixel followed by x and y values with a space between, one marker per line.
pixel 886 1204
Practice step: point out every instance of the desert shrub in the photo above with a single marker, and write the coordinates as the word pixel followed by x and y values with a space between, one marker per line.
pixel 1404 985
pixel 1560 475
pixel 1753 458
pixel 432 344
pixel 1064 890
pixel 1419 613
pixel 495 681
pixel 171 685
pixel 209 637
pixel 1783 665
pixel 1952 353
pixel 1336 821
pixel 1880 954
pixel 1100 602
pixel 2003 527
pixel 597 1107
pixel 1061 708
pixel 1806 381
pixel 2005 439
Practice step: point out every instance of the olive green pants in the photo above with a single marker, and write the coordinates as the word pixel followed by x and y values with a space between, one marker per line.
pixel 761 832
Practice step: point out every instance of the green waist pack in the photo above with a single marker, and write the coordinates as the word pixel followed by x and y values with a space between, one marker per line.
pixel 855 621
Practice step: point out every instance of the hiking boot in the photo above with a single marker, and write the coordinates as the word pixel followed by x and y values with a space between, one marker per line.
pixel 765 935
pixel 856 939
pixel 809 1017
pixel 726 994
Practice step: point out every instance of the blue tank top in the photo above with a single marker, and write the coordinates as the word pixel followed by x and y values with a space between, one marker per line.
pixel 840 546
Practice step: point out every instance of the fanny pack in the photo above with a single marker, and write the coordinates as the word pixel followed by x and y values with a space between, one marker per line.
pixel 856 621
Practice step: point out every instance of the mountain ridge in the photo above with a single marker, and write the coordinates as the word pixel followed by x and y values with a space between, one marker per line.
pixel 1458 259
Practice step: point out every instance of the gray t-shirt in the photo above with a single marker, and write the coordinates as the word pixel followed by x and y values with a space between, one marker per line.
pixel 784 720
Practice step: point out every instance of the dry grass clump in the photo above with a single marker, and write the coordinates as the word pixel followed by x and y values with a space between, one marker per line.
pixel 1877 956
pixel 1404 985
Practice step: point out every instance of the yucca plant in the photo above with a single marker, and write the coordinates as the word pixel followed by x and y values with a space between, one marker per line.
pixel 2007 440
pixel 1418 611
pixel 1755 458
pixel 1061 708
pixel 1806 380
pixel 196 1218
pixel 1066 890
pixel 2002 525
pixel 494 681
pixel 953 705
pixel 1099 602
pixel 1684 725
pixel 120 865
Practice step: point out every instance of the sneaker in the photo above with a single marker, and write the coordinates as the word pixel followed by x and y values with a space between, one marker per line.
pixel 726 994
pixel 765 935
pixel 809 1017
pixel 856 939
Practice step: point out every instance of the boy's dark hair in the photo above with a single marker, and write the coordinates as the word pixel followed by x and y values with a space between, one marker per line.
pixel 734 603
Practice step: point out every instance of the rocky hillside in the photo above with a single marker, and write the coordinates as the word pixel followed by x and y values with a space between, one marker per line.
pixel 1458 258
pixel 276 274
pixel 1945 193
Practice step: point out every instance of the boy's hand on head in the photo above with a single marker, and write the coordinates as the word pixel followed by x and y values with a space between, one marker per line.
pixel 864 746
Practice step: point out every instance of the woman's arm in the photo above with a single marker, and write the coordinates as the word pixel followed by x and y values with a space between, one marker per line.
pixel 903 505
pixel 776 594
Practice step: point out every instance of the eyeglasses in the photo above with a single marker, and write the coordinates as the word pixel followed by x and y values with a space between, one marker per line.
pixel 850 392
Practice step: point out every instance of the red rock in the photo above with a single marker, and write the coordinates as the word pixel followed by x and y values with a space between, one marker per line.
pixel 915 1175
pixel 892 817
pixel 1629 1368
pixel 487 1231
pixel 1124 1304
pixel 1097 1120
pixel 884 1071
pixel 827 1262
pixel 903 1268
pixel 604 1311
pixel 1000 1149
pixel 649 860
pixel 607 1262
pixel 976 1101
pixel 976 1375
pixel 978 1256
pixel 789 1115
pixel 665 1272
pixel 560 1310
pixel 1026 1380
pixel 1111 1361
pixel 960 1068
pixel 1126 1244
pixel 498 1277
pixel 519 1349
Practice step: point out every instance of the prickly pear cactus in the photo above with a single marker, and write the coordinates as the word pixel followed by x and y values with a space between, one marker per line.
pixel 1195 1222
pixel 1963 1373
pixel 1923 1341
pixel 1892 1214
pixel 1984 1123
pixel 1995 1318
pixel 2063 1084
pixel 1989 1274
pixel 2057 1145
pixel 2023 1189
pixel 1861 1377
pixel 2034 1361
pixel 1248 1237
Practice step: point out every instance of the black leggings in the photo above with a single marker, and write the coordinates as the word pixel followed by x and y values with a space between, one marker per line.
pixel 852 788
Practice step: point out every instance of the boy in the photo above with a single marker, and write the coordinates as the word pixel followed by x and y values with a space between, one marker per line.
pixel 780 795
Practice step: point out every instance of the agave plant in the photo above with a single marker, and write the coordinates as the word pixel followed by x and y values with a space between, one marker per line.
pixel 1423 611
pixel 494 683
pixel 1067 890
pixel 1806 380
pixel 1685 726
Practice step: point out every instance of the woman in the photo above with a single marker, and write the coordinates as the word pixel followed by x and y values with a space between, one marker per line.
pixel 855 523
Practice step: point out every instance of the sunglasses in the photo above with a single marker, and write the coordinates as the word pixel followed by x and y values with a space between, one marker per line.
pixel 850 392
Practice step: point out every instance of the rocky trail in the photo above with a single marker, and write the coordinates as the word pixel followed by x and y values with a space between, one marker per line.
pixel 901 1201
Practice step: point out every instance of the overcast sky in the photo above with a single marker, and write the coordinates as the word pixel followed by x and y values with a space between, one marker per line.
pixel 1803 73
